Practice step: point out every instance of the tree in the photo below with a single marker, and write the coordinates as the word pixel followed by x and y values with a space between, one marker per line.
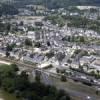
pixel 98 72
pixel 97 92
pixel 69 39
pixel 52 91
pixel 8 27
pixel 63 78
pixel 21 83
pixel 18 94
pixel 69 61
pixel 49 98
pixel 57 70
pixel 93 73
pixel 38 44
pixel 7 71
pixel 60 56
pixel 48 43
pixel 65 98
pixel 50 54
pixel 29 95
pixel 8 84
pixel 21 23
pixel 10 47
pixel 82 39
pixel 37 76
pixel 7 54
pixel 24 75
pixel 15 67
pixel 28 42
pixel 60 93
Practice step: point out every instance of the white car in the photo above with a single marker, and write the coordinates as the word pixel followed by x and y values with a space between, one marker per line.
pixel 88 98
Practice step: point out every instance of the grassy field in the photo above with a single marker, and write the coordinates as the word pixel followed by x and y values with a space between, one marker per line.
pixel 78 88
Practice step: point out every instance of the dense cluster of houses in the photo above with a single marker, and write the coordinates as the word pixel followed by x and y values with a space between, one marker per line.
pixel 50 37
pixel 48 50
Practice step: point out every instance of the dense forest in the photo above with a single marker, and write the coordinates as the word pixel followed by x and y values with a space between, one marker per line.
pixel 61 3
pixel 51 4
pixel 56 3
pixel 8 9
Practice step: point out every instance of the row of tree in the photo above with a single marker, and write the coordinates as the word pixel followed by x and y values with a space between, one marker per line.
pixel 56 19
pixel 81 22
pixel 8 9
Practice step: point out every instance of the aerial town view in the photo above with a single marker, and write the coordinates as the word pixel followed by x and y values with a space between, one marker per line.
pixel 49 49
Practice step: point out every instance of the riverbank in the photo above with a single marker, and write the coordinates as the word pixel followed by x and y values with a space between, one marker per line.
pixel 3 94
pixel 4 62
pixel 7 96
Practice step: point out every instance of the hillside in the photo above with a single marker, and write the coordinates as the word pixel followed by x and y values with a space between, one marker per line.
pixel 61 3
pixel 56 3
pixel 8 9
